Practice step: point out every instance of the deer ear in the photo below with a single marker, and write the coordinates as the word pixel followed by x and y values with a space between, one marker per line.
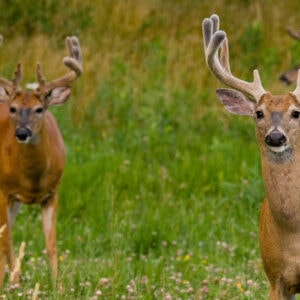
pixel 4 97
pixel 58 95
pixel 236 102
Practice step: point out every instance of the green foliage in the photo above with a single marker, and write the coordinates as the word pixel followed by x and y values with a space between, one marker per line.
pixel 295 53
pixel 28 17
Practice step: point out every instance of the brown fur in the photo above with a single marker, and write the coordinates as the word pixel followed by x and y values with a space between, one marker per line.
pixel 280 212
pixel 30 174
pixel 32 153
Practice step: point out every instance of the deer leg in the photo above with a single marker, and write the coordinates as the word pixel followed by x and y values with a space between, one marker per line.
pixel 12 211
pixel 276 293
pixel 49 226
pixel 6 245
pixel 3 251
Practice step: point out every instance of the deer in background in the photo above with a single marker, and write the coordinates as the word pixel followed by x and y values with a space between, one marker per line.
pixel 32 153
pixel 291 75
pixel 277 120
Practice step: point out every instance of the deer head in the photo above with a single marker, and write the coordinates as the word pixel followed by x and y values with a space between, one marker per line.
pixel 27 108
pixel 291 75
pixel 276 117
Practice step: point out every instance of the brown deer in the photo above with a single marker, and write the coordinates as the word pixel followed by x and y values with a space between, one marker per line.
pixel 32 153
pixel 277 120
pixel 291 75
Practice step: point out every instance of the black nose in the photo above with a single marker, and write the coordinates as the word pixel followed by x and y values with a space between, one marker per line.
pixel 275 139
pixel 22 133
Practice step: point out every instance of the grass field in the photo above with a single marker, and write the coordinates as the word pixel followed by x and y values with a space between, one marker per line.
pixel 162 189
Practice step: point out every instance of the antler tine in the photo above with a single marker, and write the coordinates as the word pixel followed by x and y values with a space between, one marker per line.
pixel 40 77
pixel 16 82
pixel 296 92
pixel 73 62
pixel 214 39
pixel 224 56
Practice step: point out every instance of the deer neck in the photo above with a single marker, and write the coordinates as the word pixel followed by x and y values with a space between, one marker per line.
pixel 33 156
pixel 281 175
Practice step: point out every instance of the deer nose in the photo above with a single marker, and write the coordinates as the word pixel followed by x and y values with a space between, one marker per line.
pixel 23 133
pixel 275 139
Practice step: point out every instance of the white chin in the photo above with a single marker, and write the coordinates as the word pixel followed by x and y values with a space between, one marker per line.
pixel 278 149
pixel 24 141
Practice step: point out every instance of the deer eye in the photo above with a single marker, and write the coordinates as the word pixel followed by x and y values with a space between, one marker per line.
pixel 39 110
pixel 295 114
pixel 12 110
pixel 259 114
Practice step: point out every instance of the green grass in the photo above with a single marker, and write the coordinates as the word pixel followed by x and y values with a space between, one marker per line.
pixel 162 189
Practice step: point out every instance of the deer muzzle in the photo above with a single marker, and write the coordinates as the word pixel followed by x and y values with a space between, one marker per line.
pixel 23 134
pixel 276 140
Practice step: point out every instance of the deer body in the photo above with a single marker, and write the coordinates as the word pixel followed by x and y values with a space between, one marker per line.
pixel 280 212
pixel 39 165
pixel 32 153
pixel 277 120
pixel 280 226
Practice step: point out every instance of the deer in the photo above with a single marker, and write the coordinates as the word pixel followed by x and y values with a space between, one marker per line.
pixel 32 152
pixel 291 75
pixel 277 125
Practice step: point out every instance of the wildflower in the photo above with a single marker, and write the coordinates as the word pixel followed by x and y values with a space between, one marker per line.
pixel 104 281
pixel 186 257
pixel 144 279
pixel 240 287
pixel 168 297
pixel 129 289
pixel 204 290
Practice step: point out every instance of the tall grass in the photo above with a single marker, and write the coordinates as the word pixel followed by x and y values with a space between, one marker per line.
pixel 162 189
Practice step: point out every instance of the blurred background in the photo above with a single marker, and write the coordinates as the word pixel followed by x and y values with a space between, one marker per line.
pixel 162 189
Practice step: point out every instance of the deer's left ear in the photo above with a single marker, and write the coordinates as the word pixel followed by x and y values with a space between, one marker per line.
pixel 58 95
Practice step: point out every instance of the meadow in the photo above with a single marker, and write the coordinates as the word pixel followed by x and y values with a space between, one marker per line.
pixel 162 189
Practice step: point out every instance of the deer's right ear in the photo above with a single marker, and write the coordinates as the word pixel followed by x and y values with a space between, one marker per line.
pixel 4 97
pixel 236 102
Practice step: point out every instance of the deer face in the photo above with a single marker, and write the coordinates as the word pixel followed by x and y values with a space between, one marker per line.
pixel 27 108
pixel 277 121
pixel 277 118
pixel 27 114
